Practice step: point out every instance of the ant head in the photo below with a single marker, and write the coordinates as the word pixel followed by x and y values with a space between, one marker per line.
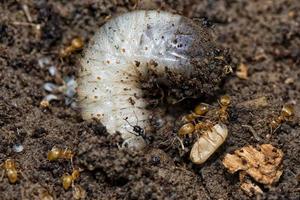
pixel 138 129
pixel 225 100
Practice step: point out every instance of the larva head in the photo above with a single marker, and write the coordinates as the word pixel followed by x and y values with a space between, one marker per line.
pixel 133 53
pixel 187 58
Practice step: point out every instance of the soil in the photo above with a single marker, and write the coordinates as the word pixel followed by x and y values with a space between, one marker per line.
pixel 263 35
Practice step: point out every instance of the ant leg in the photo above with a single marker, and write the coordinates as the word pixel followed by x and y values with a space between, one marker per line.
pixel 132 132
pixel 72 164
pixel 180 141
pixel 275 129
pixel 2 176
pixel 137 120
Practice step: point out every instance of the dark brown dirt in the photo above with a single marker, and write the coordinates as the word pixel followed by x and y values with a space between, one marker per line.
pixel 265 35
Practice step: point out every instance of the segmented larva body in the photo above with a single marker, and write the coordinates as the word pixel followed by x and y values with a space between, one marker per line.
pixel 122 51
pixel 208 143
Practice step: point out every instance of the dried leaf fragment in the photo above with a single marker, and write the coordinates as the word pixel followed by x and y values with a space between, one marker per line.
pixel 242 72
pixel 259 102
pixel 263 164
pixel 251 188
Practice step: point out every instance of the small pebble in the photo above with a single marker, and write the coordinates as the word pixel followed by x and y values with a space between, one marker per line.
pixel 18 148
pixel 52 70
pixel 50 97
pixel 43 62
pixel 50 87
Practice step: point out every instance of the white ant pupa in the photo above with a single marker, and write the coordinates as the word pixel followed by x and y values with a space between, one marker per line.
pixel 208 143
pixel 121 52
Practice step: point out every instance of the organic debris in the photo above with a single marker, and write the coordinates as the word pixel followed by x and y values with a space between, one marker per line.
pixel 242 72
pixel 66 91
pixel 263 164
pixel 251 188
pixel 259 102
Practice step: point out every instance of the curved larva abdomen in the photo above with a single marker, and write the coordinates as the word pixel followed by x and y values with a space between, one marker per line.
pixel 208 143
pixel 120 53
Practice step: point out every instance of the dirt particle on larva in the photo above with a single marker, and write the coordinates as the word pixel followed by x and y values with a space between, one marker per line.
pixel 137 63
pixel 131 101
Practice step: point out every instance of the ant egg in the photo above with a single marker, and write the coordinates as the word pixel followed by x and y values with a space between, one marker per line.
pixel 126 48
pixel 208 143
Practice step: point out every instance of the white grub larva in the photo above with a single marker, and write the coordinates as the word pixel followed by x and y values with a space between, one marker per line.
pixel 126 49
pixel 208 143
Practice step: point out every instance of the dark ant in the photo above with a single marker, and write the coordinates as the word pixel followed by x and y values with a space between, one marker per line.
pixel 139 131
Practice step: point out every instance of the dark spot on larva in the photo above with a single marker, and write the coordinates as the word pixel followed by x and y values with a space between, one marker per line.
pixel 135 95
pixel 87 61
pixel 123 50
pixel 131 101
pixel 153 63
pixel 162 37
pixel 173 25
pixel 98 77
pixel 146 48
pixel 95 97
pixel 137 63
pixel 108 61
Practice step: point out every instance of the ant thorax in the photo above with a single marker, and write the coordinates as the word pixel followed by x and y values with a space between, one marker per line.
pixel 135 129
